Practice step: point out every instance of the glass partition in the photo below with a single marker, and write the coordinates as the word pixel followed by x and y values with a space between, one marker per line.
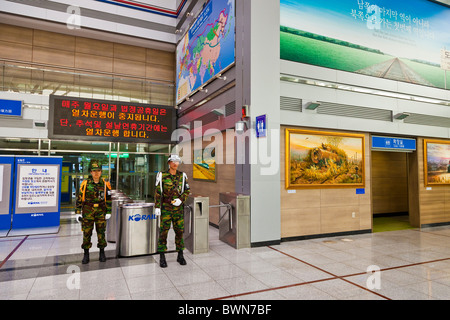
pixel 130 167
pixel 44 80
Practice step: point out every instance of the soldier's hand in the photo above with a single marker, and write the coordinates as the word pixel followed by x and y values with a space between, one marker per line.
pixel 176 202
pixel 157 212
pixel 79 218
pixel 107 216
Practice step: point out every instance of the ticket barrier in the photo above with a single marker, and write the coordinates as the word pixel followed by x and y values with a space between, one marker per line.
pixel 234 219
pixel 137 230
pixel 196 224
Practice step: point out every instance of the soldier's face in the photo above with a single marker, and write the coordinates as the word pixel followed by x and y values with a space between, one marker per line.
pixel 174 165
pixel 96 174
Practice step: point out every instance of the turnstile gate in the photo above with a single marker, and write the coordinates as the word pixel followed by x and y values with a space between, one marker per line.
pixel 196 224
pixel 234 219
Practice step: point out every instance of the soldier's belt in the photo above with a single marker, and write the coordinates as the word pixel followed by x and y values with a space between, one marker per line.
pixel 94 205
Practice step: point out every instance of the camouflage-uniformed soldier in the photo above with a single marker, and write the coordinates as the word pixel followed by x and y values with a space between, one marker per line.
pixel 171 192
pixel 93 207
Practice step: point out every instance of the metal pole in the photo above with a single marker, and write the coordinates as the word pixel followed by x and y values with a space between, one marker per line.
pixel 117 166
pixel 109 162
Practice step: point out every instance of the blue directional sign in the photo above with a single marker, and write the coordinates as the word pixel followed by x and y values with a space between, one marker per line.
pixel 392 143
pixel 11 108
pixel 261 126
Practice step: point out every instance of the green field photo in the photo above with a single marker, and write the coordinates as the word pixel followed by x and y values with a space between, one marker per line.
pixel 308 48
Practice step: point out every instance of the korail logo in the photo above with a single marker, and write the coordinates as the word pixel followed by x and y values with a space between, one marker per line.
pixel 138 217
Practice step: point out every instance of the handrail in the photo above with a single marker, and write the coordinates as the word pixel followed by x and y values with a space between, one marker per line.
pixel 190 219
pixel 229 208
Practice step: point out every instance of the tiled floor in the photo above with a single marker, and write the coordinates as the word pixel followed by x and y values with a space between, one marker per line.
pixel 414 264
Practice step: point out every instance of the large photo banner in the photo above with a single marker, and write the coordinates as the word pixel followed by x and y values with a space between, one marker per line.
pixel 207 49
pixel 396 40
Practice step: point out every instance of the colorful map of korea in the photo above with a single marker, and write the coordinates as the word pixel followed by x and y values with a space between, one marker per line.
pixel 211 49
pixel 207 49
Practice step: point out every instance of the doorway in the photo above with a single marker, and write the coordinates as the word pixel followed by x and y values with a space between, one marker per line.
pixel 393 203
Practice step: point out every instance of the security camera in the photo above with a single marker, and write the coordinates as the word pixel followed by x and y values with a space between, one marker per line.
pixel 218 112
pixel 240 127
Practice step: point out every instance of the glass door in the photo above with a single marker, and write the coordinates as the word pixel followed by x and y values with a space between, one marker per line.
pixel 137 174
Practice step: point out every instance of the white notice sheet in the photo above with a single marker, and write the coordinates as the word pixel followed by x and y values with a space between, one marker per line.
pixel 38 186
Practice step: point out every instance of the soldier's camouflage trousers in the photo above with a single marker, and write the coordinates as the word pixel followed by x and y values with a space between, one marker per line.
pixel 93 216
pixel 177 218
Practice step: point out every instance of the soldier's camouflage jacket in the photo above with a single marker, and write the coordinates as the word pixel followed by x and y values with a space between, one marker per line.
pixel 170 187
pixel 94 198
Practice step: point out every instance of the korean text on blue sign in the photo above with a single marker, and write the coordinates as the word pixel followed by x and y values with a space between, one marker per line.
pixel 11 108
pixel 393 143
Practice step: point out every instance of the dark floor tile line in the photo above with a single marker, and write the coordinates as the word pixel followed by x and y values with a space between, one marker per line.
pixel 274 288
pixel 336 276
pixel 12 252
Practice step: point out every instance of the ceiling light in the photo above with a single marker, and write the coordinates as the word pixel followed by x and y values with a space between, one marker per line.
pixel 312 105
pixel 401 116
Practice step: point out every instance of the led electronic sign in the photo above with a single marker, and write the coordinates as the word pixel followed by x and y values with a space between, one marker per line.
pixel 115 121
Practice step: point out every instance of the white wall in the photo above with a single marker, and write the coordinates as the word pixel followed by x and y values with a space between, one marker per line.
pixel 396 105
pixel 265 99
pixel 16 9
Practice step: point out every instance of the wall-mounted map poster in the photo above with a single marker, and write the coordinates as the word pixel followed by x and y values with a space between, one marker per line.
pixel 207 49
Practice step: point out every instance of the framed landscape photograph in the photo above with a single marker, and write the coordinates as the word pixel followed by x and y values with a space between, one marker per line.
pixel 436 162
pixel 204 167
pixel 316 159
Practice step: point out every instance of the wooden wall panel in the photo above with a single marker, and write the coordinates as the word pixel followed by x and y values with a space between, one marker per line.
pixel 225 179
pixel 134 68
pixel 93 62
pixel 160 57
pixel 389 182
pixel 16 34
pixel 435 202
pixel 321 211
pixel 60 50
pixel 15 51
pixel 53 40
pixel 53 57
pixel 164 72
pixel 94 47
pixel 127 52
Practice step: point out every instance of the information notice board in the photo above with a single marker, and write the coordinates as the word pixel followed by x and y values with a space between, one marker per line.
pixel 105 120
pixel 38 186
pixel 6 191
pixel 37 193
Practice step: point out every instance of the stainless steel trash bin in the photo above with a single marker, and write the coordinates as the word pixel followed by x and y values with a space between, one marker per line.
pixel 137 230
pixel 116 201
pixel 234 221
pixel 196 224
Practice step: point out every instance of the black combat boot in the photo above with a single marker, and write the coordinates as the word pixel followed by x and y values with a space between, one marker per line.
pixel 180 258
pixel 86 256
pixel 162 260
pixel 102 256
